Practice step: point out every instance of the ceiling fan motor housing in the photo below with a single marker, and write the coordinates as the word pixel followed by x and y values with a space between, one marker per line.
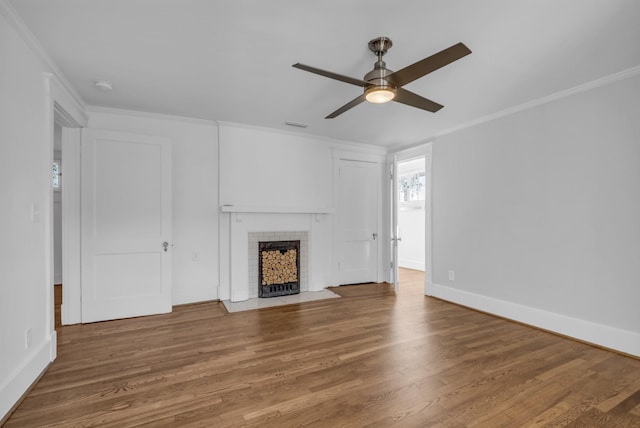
pixel 377 77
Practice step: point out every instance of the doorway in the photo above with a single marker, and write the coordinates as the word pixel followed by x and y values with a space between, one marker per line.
pixel 56 181
pixel 411 218
pixel 357 191
pixel 411 214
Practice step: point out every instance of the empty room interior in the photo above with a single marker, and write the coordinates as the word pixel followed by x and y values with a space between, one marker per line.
pixel 284 213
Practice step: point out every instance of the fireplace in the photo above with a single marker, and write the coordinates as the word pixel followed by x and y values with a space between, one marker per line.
pixel 278 268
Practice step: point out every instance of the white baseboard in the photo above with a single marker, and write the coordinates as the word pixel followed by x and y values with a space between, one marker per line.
pixel 20 380
pixel 411 264
pixel 598 334
pixel 194 295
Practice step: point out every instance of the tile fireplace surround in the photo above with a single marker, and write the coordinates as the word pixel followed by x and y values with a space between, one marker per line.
pixel 246 229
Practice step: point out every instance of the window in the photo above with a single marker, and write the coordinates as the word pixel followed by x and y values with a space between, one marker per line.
pixel 56 175
pixel 411 187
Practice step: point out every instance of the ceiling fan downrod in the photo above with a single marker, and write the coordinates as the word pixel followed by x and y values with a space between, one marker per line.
pixel 381 90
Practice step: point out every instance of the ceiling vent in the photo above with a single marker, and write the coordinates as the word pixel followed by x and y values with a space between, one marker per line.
pixel 296 124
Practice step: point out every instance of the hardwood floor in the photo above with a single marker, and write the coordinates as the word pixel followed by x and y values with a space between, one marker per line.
pixel 370 358
pixel 57 299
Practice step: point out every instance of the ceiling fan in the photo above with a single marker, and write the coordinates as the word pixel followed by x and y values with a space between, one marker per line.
pixel 382 85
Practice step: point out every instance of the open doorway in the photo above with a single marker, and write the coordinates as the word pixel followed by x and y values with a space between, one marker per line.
pixel 56 181
pixel 64 247
pixel 411 206
pixel 411 257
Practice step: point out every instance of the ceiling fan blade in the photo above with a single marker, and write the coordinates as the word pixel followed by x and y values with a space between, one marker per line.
pixel 332 75
pixel 354 102
pixel 414 100
pixel 429 64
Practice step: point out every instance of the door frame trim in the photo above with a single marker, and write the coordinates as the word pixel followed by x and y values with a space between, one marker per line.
pixel 371 158
pixel 62 108
pixel 426 151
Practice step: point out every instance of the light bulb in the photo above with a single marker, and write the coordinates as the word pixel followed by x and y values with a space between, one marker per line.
pixel 380 94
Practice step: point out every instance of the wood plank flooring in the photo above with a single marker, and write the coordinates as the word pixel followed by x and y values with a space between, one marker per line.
pixel 371 358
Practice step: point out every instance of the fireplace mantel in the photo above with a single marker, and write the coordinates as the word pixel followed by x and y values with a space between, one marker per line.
pixel 274 209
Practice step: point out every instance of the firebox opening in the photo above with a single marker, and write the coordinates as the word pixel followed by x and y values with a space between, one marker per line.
pixel 278 268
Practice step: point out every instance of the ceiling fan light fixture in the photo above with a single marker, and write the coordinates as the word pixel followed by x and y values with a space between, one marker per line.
pixel 380 94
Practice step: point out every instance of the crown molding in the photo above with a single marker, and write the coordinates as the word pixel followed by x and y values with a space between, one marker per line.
pixel 363 147
pixel 625 74
pixel 148 115
pixel 218 123
pixel 25 33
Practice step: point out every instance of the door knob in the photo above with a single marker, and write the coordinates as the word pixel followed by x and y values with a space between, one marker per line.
pixel 165 244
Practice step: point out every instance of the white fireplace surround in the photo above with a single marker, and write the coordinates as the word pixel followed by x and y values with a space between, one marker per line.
pixel 315 226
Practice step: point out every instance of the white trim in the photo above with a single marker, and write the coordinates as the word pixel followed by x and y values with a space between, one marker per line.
pixel 53 345
pixel 71 298
pixel 356 147
pixel 424 150
pixel 14 19
pixel 625 74
pixel 149 115
pixel 411 264
pixel 353 146
pixel 274 209
pixel 242 224
pixel 25 375
pixel 602 335
pixel 341 158
pixel 428 219
pixel 197 293
pixel 62 107
pixel 47 139
pixel 339 153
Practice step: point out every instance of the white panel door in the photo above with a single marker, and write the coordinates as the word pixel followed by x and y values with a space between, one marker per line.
pixel 126 225
pixel 358 185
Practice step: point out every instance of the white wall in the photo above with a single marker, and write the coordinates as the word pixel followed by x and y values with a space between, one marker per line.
pixel 23 182
pixel 195 196
pixel 537 213
pixel 268 168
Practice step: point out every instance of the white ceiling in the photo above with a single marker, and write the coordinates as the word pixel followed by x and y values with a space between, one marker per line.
pixel 231 60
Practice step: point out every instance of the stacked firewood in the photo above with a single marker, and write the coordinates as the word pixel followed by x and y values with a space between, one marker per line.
pixel 279 267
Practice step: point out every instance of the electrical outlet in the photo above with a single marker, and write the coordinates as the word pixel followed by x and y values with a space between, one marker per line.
pixel 35 213
pixel 27 338
pixel 452 276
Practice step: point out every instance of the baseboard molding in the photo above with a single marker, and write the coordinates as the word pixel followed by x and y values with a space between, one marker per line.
pixel 23 378
pixel 194 296
pixel 624 341
pixel 411 264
